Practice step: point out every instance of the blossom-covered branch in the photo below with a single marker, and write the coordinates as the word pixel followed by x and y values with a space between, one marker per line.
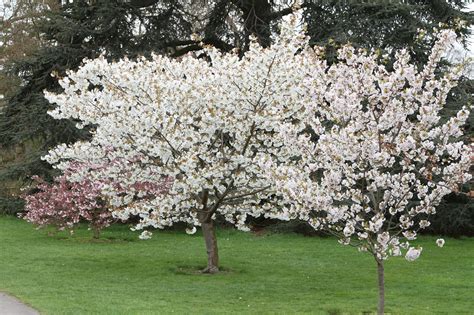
pixel 372 160
pixel 201 122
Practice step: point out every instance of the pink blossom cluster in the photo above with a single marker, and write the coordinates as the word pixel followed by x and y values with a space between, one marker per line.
pixel 64 204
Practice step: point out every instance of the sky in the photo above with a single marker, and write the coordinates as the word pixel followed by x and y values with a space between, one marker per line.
pixel 471 46
pixel 470 7
pixel 462 53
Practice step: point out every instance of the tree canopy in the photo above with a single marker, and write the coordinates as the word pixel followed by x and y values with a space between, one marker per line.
pixel 87 28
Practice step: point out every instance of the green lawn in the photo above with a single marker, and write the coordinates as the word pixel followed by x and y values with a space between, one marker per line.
pixel 272 274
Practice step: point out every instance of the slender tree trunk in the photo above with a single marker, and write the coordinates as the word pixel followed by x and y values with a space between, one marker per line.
pixel 380 272
pixel 96 232
pixel 209 234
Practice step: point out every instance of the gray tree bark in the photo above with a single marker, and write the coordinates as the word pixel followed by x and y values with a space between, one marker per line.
pixel 210 239
pixel 96 232
pixel 381 279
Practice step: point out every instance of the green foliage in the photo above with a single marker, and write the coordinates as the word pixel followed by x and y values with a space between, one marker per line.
pixel 10 205
pixel 280 273
pixel 384 24
pixel 454 216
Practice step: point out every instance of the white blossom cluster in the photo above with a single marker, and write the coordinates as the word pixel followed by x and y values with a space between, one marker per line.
pixel 351 147
pixel 372 159
pixel 204 122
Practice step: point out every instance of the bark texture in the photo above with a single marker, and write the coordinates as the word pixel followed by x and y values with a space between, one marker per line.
pixel 96 231
pixel 209 234
pixel 381 278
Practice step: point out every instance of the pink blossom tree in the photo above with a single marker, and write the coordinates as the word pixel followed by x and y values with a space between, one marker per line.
pixel 66 202
pixel 63 204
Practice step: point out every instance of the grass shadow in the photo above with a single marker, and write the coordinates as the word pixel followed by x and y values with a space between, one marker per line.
pixel 190 270
pixel 90 240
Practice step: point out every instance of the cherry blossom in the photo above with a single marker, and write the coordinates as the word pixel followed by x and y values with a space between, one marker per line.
pixel 413 253
pixel 372 159
pixel 63 204
pixel 204 122
pixel 66 202
pixel 440 242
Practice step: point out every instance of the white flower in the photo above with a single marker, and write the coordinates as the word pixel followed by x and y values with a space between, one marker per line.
pixel 191 230
pixel 348 230
pixel 146 235
pixel 383 238
pixel 413 253
pixel 410 235
pixel 242 227
pixel 424 224
pixel 376 223
pixel 345 241
pixel 440 242
pixel 396 251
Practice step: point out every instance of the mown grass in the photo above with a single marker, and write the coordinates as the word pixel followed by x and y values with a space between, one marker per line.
pixel 269 274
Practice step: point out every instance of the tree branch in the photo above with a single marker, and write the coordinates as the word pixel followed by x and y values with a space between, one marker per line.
pixel 142 3
pixel 246 194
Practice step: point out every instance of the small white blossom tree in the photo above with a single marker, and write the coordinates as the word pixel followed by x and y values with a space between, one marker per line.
pixel 202 121
pixel 372 159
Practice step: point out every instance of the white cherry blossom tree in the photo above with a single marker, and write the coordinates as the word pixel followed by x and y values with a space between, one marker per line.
pixel 204 122
pixel 372 158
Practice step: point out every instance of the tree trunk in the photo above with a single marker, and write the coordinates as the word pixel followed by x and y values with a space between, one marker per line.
pixel 209 234
pixel 96 232
pixel 380 272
